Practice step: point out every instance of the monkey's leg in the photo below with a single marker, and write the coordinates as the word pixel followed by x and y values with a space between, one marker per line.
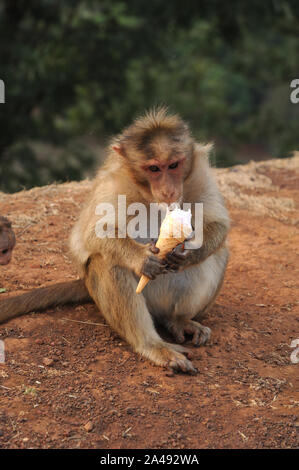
pixel 178 299
pixel 113 290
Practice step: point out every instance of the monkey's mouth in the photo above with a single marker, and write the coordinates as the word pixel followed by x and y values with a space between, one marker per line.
pixel 171 203
pixel 168 201
pixel 5 256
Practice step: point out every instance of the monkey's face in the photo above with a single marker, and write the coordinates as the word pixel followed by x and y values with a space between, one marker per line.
pixel 163 167
pixel 165 179
pixel 158 152
pixel 7 241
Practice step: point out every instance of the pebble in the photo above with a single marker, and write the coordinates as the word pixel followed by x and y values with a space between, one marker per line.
pixel 88 426
pixel 47 361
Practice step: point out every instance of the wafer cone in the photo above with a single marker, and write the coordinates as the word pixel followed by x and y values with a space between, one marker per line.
pixel 175 228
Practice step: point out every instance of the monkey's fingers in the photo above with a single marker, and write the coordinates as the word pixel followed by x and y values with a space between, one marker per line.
pixel 201 338
pixel 183 365
pixel 153 266
pixel 175 259
pixel 200 333
pixel 178 253
pixel 177 362
pixel 171 268
pixel 153 248
pixel 182 349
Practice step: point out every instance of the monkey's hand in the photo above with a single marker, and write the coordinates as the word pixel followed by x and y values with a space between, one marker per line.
pixel 152 265
pixel 214 235
pixel 176 258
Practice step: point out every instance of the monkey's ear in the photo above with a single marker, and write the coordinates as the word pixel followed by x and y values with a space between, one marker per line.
pixel 118 149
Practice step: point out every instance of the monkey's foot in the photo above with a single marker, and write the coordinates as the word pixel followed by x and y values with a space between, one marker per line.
pixel 171 356
pixel 178 328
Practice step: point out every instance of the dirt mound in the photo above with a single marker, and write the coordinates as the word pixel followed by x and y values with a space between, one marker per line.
pixel 257 187
pixel 69 381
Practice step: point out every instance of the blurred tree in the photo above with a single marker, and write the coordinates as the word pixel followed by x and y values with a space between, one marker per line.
pixel 86 67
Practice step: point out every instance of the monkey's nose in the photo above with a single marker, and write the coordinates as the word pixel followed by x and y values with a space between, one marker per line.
pixel 169 196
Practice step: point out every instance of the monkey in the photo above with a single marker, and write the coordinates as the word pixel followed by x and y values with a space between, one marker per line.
pixel 7 241
pixel 154 160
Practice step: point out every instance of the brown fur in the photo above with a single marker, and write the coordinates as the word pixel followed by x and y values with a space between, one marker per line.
pixel 42 298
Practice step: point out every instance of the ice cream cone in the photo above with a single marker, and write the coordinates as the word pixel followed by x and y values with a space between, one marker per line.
pixel 175 228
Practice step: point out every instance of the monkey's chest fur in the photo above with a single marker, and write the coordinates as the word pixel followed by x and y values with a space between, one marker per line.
pixel 185 293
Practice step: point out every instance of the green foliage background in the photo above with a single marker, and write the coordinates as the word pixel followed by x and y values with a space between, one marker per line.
pixel 78 71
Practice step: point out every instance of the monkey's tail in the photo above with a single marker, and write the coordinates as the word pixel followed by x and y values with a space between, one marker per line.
pixel 42 298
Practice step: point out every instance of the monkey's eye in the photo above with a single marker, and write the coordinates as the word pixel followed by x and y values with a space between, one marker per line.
pixel 173 165
pixel 154 168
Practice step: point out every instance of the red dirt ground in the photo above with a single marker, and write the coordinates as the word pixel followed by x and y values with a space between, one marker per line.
pixel 70 382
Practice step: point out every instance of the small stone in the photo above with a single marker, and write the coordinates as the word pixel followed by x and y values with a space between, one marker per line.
pixel 88 426
pixel 39 341
pixel 47 361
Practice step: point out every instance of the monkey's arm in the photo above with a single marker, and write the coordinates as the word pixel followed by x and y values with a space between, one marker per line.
pixel 214 235
pixel 216 225
pixel 128 253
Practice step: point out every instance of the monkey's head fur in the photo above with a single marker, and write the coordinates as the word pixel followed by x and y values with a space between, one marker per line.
pixel 157 150
pixel 7 240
